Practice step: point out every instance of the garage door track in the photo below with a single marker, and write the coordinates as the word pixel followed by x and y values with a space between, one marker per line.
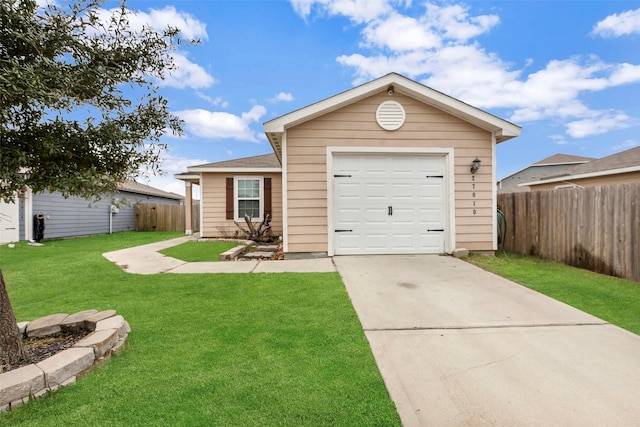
pixel 457 345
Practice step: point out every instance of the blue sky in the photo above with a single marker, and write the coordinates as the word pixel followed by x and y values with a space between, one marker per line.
pixel 568 72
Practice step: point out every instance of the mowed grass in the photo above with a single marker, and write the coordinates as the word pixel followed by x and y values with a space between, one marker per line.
pixel 199 251
pixel 205 349
pixel 612 299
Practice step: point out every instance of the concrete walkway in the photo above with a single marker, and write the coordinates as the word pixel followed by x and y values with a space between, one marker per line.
pixel 147 260
pixel 458 346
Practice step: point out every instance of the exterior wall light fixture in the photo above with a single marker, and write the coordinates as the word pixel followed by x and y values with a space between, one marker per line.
pixel 475 165
pixel 390 90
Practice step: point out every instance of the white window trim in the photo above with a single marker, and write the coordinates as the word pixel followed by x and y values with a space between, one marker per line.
pixel 235 196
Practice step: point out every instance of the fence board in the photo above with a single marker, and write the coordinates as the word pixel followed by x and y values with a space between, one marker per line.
pixel 159 217
pixel 594 228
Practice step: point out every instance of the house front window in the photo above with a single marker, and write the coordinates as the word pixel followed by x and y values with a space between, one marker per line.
pixel 248 197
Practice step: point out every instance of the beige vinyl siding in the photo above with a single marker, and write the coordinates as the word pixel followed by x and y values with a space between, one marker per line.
pixel 213 196
pixel 355 126
pixel 623 178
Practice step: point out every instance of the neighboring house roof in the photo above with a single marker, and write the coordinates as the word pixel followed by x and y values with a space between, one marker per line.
pixel 502 129
pixel 556 159
pixel 545 167
pixel 623 162
pixel 263 163
pixel 138 188
pixel 564 159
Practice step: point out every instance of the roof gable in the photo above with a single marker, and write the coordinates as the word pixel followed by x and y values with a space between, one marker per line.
pixel 503 130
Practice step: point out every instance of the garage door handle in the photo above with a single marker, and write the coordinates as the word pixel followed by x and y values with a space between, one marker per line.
pixel 342 176
pixel 343 231
pixel 390 210
pixel 435 229
pixel 435 176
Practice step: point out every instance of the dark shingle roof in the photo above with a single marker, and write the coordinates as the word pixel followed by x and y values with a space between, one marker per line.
pixel 138 188
pixel 624 159
pixel 563 158
pixel 262 161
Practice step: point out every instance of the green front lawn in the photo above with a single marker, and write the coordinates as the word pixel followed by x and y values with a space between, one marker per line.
pixel 199 251
pixel 205 349
pixel 612 299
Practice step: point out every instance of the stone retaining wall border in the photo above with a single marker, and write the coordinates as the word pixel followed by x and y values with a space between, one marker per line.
pixel 108 332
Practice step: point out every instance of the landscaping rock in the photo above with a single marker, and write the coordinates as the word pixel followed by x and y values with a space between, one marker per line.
pixel 68 363
pixel 116 322
pixel 19 385
pixel 47 325
pixel 76 321
pixel 101 341
pixel 231 253
pixel 91 321
pixel 21 382
pixel 258 255
pixel 267 248
pixel 461 253
pixel 22 327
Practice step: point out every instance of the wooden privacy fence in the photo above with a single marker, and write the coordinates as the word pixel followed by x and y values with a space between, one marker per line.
pixel 595 228
pixel 163 217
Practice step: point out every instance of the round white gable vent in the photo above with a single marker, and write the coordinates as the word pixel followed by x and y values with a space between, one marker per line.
pixel 390 115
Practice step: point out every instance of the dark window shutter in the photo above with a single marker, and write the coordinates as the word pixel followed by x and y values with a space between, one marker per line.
pixel 230 198
pixel 267 196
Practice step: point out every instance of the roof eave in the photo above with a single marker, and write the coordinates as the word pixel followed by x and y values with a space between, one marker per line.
pixel 196 169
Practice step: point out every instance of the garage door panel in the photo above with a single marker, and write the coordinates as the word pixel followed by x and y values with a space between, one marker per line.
pixel 403 191
pixel 375 217
pixel 430 191
pixel 429 240
pixel 374 191
pixel 386 204
pixel 348 190
pixel 431 216
pixel 402 216
pixel 347 216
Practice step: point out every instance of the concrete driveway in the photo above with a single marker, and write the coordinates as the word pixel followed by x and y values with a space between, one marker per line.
pixel 458 346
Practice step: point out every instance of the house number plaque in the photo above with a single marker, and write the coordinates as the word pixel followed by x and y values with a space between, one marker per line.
pixel 473 193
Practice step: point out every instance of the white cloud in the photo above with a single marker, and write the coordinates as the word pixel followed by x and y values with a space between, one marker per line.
pixel 617 25
pixel 558 139
pixel 187 74
pixel 601 122
pixel 218 101
pixel 159 19
pixel 439 49
pixel 171 165
pixel 400 33
pixel 222 125
pixel 358 11
pixel 282 97
pixel 455 23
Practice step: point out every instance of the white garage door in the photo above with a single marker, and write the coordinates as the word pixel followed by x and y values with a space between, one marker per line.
pixel 388 204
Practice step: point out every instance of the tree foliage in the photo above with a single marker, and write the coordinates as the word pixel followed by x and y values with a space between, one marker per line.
pixel 79 104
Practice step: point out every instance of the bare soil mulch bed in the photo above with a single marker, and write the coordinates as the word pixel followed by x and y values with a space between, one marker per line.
pixel 39 349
